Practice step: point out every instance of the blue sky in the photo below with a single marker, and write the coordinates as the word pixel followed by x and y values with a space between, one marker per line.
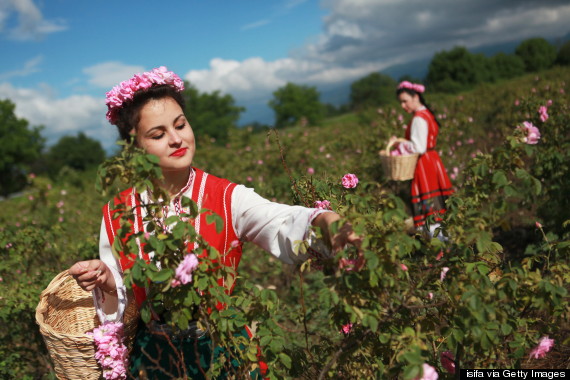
pixel 59 57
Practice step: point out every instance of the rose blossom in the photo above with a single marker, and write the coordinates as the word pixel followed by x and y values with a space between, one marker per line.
pixel 349 265
pixel 544 345
pixel 323 205
pixel 111 352
pixel 349 181
pixel 543 112
pixel 531 131
pixel 346 329
pixel 444 271
pixel 429 373
pixel 184 271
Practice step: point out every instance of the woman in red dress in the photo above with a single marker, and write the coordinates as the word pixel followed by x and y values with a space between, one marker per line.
pixel 430 185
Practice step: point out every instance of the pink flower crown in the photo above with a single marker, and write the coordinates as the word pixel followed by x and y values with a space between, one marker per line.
pixel 419 88
pixel 126 90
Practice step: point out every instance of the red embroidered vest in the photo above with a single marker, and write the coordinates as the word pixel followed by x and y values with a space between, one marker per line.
pixel 209 192
pixel 433 128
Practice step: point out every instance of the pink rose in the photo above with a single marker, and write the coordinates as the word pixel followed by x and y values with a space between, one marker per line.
pixel 439 255
pixel 443 273
pixel 346 329
pixel 310 171
pixel 531 131
pixel 349 181
pixel 349 265
pixel 544 345
pixel 448 361
pixel 403 267
pixel 543 112
pixel 323 205
pixel 428 373
pixel 184 270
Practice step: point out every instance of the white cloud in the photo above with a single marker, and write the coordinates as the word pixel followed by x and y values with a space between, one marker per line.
pixel 31 23
pixel 362 36
pixel 109 74
pixel 29 67
pixel 248 78
pixel 64 116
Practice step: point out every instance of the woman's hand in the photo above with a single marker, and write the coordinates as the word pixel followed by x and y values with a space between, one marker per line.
pixel 93 274
pixel 345 235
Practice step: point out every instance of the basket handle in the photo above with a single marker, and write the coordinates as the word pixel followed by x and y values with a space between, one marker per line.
pixel 56 282
pixel 391 143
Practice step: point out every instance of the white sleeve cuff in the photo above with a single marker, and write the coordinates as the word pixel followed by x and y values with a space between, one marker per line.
pixel 111 308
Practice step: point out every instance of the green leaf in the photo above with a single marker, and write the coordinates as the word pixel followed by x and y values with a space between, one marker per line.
pixel 285 359
pixel 499 178
pixel 215 218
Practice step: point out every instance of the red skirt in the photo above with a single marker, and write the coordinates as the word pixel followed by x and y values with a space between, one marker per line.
pixel 430 188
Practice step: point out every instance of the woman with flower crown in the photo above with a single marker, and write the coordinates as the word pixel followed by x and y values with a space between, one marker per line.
pixel 430 185
pixel 150 107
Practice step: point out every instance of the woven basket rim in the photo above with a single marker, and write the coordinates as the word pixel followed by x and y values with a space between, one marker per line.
pixel 58 281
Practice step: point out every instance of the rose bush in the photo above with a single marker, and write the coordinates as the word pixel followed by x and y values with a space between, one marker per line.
pixel 482 299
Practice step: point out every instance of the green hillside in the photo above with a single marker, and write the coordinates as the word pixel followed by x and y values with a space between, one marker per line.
pixel 507 255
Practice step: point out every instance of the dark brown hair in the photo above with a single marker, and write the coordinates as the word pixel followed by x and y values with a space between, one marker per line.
pixel 128 116
pixel 411 92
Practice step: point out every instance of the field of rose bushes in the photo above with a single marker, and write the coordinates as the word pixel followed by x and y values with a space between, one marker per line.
pixel 495 295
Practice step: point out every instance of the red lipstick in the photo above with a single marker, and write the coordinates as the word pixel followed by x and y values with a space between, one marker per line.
pixel 179 152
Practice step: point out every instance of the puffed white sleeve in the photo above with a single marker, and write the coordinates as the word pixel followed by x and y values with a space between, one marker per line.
pixel 110 308
pixel 418 136
pixel 275 227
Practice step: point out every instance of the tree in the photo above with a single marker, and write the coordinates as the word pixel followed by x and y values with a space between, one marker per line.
pixel 294 103
pixel 372 91
pixel 508 66
pixel 458 69
pixel 563 57
pixel 19 147
pixel 212 114
pixel 537 54
pixel 77 152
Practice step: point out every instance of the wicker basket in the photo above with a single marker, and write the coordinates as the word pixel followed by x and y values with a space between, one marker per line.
pixel 398 168
pixel 65 313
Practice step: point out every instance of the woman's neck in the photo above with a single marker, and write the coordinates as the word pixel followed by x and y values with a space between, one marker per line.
pixel 174 182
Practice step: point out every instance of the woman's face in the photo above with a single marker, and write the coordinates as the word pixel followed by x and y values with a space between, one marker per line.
pixel 164 132
pixel 410 103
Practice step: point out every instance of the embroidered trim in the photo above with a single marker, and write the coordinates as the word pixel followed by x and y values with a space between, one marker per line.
pixel 226 221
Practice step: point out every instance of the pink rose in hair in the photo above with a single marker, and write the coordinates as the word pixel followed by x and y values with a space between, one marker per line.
pixel 125 91
pixel 544 345
pixel 349 181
